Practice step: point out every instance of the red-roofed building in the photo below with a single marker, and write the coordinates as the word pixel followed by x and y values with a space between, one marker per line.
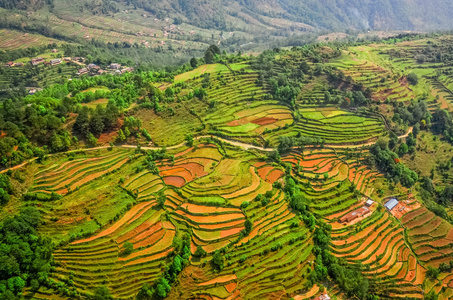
pixel 363 211
pixel 323 297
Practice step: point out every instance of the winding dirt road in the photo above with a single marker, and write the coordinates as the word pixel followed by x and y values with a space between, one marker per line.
pixel 242 145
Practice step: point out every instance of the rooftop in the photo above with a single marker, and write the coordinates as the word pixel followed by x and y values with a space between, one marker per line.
pixel 391 204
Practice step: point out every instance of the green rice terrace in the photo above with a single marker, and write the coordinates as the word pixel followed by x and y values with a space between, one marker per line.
pixel 295 174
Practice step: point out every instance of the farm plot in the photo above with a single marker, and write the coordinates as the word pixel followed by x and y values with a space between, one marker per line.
pixel 431 237
pixel 243 109
pixel 378 244
pixel 13 40
pixel 213 227
pixel 68 175
pixel 99 259
pixel 360 65
pixel 232 181
pixel 337 128
pixel 272 259
pixel 330 179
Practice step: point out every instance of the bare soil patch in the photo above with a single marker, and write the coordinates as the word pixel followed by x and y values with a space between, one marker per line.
pixel 264 121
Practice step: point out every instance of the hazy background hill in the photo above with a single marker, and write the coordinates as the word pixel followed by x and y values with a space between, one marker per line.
pixel 321 14
pixel 176 30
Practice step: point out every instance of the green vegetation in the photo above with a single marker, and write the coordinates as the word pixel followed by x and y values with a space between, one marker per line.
pixel 25 255
pixel 234 176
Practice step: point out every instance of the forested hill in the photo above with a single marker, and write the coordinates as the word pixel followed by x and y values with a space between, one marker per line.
pixel 302 14
pixel 325 14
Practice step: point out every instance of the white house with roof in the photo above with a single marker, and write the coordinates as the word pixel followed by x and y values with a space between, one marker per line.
pixel 391 204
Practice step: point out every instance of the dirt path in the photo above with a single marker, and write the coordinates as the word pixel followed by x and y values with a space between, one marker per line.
pixel 242 145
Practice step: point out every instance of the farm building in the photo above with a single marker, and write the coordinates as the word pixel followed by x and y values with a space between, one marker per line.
pixel 19 64
pixel 369 203
pixel 323 297
pixel 126 70
pixel 37 61
pixel 56 61
pixel 82 71
pixel 114 66
pixel 54 51
pixel 10 64
pixel 391 204
pixel 355 214
pixel 92 66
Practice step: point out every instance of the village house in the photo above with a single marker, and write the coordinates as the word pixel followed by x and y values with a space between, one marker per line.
pixel 126 70
pixel 54 50
pixel 37 61
pixel 93 67
pixel 369 203
pixel 67 59
pixel 56 61
pixel 323 297
pixel 10 64
pixel 114 66
pixel 361 212
pixel 82 71
pixel 19 64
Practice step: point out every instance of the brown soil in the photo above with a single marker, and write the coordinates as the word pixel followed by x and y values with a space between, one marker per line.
pixel 175 181
pixel 230 232
pixel 110 136
pixel 274 176
pixel 264 121
pixel 239 122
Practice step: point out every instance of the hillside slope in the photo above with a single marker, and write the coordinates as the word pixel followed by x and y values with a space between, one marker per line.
pixel 251 14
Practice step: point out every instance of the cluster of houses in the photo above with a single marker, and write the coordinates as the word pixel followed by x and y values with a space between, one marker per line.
pixel 11 64
pixel 393 206
pixel 113 68
pixel 91 69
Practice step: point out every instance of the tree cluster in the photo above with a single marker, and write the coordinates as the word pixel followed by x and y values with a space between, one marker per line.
pixel 178 260
pixel 388 163
pixel 25 256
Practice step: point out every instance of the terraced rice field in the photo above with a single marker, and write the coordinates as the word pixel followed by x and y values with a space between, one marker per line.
pixel 331 195
pixel 379 246
pixel 51 75
pixel 243 110
pixel 264 272
pixel 378 242
pixel 13 40
pixel 194 207
pixel 333 126
pixel 97 259
pixel 68 175
pixel 431 239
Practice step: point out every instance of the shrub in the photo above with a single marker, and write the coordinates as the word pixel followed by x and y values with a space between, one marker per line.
pixel 128 247
pixel 412 78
